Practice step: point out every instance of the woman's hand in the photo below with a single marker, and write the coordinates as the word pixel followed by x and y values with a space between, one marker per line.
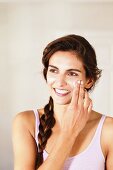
pixel 78 111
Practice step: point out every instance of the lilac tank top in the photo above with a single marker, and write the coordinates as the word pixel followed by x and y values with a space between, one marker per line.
pixel 91 158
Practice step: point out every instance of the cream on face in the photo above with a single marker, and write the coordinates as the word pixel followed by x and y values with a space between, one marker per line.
pixel 50 79
pixel 53 78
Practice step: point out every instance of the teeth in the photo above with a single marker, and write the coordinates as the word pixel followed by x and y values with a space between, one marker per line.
pixel 61 91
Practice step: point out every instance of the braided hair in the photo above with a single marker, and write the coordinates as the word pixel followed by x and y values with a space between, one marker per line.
pixel 86 53
pixel 47 122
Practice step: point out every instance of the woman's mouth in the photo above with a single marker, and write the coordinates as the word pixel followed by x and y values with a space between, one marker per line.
pixel 61 92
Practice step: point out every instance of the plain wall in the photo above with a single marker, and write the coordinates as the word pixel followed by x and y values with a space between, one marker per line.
pixel 25 29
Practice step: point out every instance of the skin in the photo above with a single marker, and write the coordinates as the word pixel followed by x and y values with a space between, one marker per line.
pixel 74 117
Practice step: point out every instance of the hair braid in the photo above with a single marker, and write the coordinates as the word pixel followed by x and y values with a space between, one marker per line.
pixel 47 122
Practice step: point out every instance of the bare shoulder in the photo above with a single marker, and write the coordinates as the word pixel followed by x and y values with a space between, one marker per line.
pixel 26 120
pixel 108 125
pixel 108 130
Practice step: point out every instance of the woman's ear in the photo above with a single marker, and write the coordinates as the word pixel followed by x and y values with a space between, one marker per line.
pixel 89 83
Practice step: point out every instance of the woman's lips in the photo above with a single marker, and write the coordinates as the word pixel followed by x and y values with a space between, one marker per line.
pixel 61 92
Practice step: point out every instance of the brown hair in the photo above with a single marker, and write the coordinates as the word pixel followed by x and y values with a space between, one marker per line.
pixel 47 122
pixel 86 53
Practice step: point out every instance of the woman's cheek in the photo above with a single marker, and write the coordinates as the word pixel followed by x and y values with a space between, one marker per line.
pixel 50 79
pixel 72 82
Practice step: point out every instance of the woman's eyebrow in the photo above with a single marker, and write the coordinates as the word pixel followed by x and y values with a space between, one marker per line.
pixel 77 70
pixel 53 66
pixel 74 70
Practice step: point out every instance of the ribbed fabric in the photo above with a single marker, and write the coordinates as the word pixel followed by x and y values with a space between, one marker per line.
pixel 91 158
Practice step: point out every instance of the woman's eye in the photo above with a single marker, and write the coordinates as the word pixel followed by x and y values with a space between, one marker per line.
pixel 52 70
pixel 72 74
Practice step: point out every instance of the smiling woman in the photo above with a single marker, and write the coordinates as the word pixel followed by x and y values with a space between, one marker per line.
pixel 67 133
pixel 62 77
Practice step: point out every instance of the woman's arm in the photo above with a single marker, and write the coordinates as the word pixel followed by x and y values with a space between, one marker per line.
pixel 24 145
pixel 59 154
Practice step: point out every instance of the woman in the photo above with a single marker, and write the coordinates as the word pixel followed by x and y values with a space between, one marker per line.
pixel 66 134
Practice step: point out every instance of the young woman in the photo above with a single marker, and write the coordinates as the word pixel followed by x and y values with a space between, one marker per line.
pixel 66 134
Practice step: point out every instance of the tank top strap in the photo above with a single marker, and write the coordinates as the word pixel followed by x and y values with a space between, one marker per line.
pixel 37 122
pixel 99 129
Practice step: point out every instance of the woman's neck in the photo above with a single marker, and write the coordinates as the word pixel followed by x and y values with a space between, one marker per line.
pixel 59 112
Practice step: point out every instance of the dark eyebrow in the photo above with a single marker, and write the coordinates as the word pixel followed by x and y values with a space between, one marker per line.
pixel 66 70
pixel 74 70
pixel 53 66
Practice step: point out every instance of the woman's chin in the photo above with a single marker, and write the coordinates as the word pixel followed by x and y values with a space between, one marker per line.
pixel 62 102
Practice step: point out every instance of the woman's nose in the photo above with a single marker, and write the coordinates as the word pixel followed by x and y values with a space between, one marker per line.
pixel 61 81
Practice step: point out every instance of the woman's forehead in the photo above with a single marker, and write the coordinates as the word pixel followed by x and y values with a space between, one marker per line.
pixel 65 59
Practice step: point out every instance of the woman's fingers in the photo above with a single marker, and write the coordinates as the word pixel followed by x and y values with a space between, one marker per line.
pixel 87 105
pixel 78 94
pixel 81 95
pixel 80 98
pixel 86 100
pixel 75 95
pixel 78 111
pixel 90 107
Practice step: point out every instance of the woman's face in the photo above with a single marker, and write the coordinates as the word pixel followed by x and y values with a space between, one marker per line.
pixel 63 72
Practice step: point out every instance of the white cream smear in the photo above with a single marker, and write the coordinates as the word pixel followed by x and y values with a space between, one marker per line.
pixel 71 82
pixel 51 79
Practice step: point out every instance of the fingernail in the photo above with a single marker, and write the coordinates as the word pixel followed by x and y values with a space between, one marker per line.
pixel 81 82
pixel 78 81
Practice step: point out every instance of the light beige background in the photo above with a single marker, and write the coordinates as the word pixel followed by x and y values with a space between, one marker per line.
pixel 25 29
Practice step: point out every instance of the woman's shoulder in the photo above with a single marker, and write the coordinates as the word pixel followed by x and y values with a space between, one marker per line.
pixel 27 119
pixel 108 130
pixel 108 125
pixel 24 120
pixel 24 117
pixel 108 119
